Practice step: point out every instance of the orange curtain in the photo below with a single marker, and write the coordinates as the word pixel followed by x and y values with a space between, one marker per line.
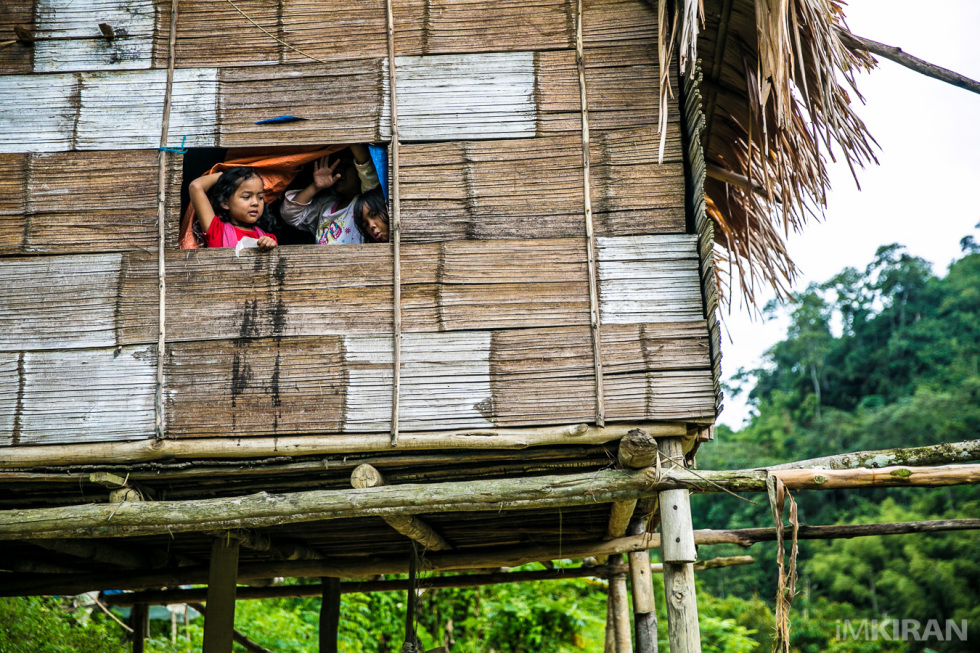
pixel 276 168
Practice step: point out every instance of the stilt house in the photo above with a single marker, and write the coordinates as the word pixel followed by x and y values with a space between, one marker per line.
pixel 549 286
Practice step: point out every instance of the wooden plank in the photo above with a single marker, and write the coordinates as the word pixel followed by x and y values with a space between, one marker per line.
pixel 341 104
pixel 465 96
pixel 449 26
pixel 95 395
pixel 67 20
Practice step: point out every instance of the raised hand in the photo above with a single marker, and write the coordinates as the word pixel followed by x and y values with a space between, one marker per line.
pixel 324 175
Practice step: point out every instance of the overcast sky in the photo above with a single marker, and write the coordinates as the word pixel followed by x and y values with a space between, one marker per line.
pixel 922 193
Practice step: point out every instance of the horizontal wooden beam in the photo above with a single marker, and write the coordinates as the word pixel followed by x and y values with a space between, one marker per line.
pixel 163 597
pixel 262 509
pixel 314 445
pixel 362 567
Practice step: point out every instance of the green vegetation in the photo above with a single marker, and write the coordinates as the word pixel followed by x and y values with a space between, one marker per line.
pixel 880 358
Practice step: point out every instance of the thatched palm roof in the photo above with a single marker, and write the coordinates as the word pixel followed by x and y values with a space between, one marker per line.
pixel 779 100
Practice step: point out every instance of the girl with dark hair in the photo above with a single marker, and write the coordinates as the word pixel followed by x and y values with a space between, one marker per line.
pixel 371 215
pixel 237 198
pixel 325 207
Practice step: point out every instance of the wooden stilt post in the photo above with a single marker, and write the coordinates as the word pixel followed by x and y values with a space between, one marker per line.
pixel 330 615
pixel 140 622
pixel 641 582
pixel 621 612
pixel 219 622
pixel 679 554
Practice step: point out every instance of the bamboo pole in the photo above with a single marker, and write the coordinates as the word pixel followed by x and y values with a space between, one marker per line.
pixel 395 232
pixel 594 319
pixel 36 584
pixel 329 614
pixel 219 624
pixel 679 554
pixel 366 476
pixel 164 597
pixel 313 445
pixel 262 509
pixel 936 454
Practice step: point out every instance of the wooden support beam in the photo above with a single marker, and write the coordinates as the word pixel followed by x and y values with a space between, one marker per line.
pixel 679 553
pixel 95 551
pixel 638 449
pixel 219 623
pixel 313 445
pixel 139 621
pixel 366 476
pixel 239 637
pixel 641 583
pixel 261 510
pixel 163 597
pixel 329 614
pixel 37 584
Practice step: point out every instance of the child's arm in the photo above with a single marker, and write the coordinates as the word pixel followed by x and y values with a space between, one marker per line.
pixel 365 167
pixel 198 191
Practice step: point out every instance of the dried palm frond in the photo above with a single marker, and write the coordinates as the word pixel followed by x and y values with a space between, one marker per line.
pixel 778 98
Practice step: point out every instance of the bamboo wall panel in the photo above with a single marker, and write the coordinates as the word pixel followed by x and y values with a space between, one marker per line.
pixel 340 104
pixel 15 59
pixel 94 395
pixel 466 379
pixel 103 300
pixel 444 97
pixel 610 22
pixel 638 285
pixel 450 97
pixel 533 188
pixel 132 21
pixel 450 26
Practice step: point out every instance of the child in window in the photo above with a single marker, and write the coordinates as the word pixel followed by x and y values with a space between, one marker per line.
pixel 371 215
pixel 326 206
pixel 236 197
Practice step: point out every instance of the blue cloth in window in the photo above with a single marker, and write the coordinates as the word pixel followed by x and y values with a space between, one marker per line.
pixel 379 156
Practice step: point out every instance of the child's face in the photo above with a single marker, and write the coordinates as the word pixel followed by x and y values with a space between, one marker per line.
pixel 349 184
pixel 245 206
pixel 376 225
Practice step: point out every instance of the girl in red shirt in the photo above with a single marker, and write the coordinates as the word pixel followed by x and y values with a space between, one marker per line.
pixel 236 197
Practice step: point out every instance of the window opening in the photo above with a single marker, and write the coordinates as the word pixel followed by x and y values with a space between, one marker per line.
pixel 315 194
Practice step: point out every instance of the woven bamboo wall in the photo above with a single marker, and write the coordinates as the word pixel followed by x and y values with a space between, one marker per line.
pixel 495 297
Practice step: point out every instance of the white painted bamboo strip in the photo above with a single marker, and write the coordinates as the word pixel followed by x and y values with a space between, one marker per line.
pixel 133 22
pixel 124 110
pixel 59 302
pixel 464 97
pixel 82 395
pixel 443 373
pixel 37 113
